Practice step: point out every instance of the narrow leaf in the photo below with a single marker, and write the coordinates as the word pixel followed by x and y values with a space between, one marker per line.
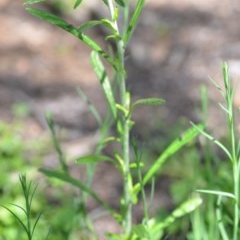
pixel 187 207
pixel 93 159
pixel 104 80
pixel 115 16
pixel 105 2
pixel 77 3
pixel 108 24
pixel 88 25
pixel 140 231
pixel 120 3
pixel 184 209
pixel 53 19
pixel 176 145
pixel 32 2
pixel 147 102
pixel 21 208
pixel 134 20
pixel 91 107
pixel 18 219
pixel 211 138
pixel 219 193
pixel 36 222
pixel 68 179
pixel 219 214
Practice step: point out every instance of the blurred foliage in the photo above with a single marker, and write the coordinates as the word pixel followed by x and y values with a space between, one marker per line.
pixel 19 155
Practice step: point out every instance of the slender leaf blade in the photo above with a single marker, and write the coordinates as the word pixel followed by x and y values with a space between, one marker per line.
pixel 32 2
pixel 134 20
pixel 88 25
pixel 188 206
pixel 176 145
pixel 53 19
pixel 77 3
pixel 36 222
pixel 68 179
pixel 211 138
pixel 91 107
pixel 140 231
pixel 104 80
pixel 147 102
pixel 92 159
pixel 18 219
pixel 218 193
pixel 120 3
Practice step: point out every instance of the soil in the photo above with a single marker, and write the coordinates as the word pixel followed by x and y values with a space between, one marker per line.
pixel 176 46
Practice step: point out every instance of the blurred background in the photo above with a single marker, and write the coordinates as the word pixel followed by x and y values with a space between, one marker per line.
pixel 176 47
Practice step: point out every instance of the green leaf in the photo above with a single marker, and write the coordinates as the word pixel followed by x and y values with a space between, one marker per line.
pixel 93 159
pixel 91 107
pixel 120 3
pixel 115 16
pixel 108 24
pixel 17 218
pixel 176 145
pixel 104 22
pixel 184 209
pixel 140 231
pixel 211 138
pixel 77 3
pixel 32 2
pixel 147 102
pixel 104 80
pixel 187 207
pixel 53 19
pixel 134 20
pixel 88 25
pixel 106 2
pixel 113 36
pixel 74 182
pixel 218 193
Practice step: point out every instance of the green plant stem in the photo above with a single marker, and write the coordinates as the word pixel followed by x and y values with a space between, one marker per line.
pixel 125 121
pixel 125 142
pixel 26 192
pixel 235 163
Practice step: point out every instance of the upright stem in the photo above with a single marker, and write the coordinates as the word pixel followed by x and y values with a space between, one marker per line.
pixel 235 162
pixel 127 222
pixel 125 121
